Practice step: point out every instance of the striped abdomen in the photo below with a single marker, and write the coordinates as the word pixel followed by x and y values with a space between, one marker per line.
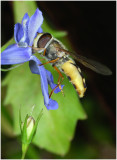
pixel 74 74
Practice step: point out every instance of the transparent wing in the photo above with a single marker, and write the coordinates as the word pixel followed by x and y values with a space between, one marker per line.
pixel 93 65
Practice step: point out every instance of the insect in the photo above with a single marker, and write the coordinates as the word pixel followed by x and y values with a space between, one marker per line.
pixel 56 54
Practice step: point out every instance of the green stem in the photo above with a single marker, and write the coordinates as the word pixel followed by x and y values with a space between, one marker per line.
pixel 23 155
pixel 24 150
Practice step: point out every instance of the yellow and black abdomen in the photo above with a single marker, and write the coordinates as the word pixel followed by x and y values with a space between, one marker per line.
pixel 75 76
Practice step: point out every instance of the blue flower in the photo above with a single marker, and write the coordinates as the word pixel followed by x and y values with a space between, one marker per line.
pixel 20 52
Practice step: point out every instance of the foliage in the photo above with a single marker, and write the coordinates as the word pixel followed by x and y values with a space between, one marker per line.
pixel 56 128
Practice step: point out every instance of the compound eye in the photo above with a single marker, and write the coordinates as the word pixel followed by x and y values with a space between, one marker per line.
pixel 43 40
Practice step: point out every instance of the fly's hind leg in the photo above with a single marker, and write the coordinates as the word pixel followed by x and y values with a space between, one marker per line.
pixel 59 82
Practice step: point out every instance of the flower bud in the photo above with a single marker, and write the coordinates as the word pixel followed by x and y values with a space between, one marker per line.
pixel 28 129
pixel 30 126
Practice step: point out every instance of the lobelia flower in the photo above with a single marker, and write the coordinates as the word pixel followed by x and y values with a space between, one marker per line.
pixel 20 52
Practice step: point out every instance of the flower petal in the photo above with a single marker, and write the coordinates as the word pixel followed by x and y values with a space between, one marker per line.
pixel 18 32
pixel 34 24
pixel 52 105
pixel 40 30
pixel 15 55
pixel 36 69
pixel 25 18
pixel 25 22
pixel 51 82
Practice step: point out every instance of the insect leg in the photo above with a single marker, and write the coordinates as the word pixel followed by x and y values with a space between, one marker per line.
pixel 60 76
pixel 44 52
pixel 53 90
pixel 52 61
pixel 42 59
pixel 59 82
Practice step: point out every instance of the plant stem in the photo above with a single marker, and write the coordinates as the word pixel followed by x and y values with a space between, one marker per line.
pixel 23 155
pixel 24 150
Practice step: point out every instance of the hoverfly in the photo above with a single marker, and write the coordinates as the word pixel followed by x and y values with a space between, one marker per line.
pixel 56 54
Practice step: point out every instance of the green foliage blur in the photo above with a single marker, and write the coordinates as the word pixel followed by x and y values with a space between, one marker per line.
pixel 61 133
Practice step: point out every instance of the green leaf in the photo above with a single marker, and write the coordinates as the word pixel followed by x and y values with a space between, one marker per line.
pixel 56 127
pixel 11 41
pixel 53 31
pixel 22 7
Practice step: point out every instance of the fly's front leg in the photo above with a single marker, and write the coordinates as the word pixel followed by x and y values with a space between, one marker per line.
pixel 44 52
pixel 52 61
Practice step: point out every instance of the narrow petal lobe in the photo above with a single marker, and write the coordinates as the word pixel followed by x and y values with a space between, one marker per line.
pixel 18 32
pixel 36 69
pixel 34 24
pixel 25 22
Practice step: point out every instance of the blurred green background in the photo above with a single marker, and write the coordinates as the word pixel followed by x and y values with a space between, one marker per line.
pixel 91 30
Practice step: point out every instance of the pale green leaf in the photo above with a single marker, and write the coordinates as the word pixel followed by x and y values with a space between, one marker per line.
pixel 56 127
pixel 11 41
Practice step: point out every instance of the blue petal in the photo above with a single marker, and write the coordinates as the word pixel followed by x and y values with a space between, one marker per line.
pixel 34 24
pixel 52 105
pixel 15 55
pixel 36 69
pixel 18 32
pixel 25 22
pixel 51 82
pixel 40 30
pixel 25 18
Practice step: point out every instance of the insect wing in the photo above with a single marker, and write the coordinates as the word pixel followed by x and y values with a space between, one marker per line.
pixel 93 65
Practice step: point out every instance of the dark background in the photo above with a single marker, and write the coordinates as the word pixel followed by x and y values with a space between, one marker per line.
pixel 91 28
